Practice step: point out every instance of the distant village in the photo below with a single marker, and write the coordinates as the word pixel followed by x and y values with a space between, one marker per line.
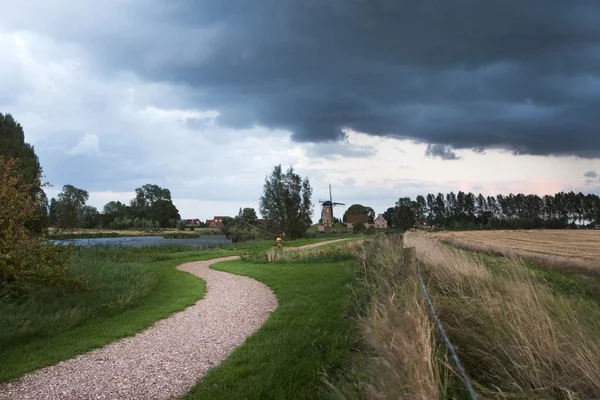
pixel 378 223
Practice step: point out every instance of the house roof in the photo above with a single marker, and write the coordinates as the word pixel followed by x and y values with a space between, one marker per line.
pixel 354 218
pixel 380 217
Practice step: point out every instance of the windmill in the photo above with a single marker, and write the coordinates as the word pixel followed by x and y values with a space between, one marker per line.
pixel 327 211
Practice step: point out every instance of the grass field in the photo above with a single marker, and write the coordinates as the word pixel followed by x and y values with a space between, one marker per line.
pixel 579 249
pixel 129 289
pixel 305 339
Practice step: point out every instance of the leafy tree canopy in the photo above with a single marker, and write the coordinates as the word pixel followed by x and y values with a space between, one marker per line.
pixel 26 263
pixel 359 209
pixel 69 206
pixel 248 215
pixel 13 146
pixel 287 201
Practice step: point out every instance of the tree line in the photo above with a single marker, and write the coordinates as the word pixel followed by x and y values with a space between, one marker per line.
pixel 469 211
pixel 152 207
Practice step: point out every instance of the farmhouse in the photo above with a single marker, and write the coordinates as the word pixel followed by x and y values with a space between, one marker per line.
pixel 357 219
pixel 216 221
pixel 380 222
pixel 192 222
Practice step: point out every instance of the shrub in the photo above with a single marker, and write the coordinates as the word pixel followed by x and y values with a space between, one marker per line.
pixel 358 228
pixel 26 262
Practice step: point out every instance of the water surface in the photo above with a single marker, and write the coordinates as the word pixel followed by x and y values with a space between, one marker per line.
pixel 139 241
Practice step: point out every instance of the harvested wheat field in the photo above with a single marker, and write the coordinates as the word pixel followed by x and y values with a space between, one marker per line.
pixel 558 248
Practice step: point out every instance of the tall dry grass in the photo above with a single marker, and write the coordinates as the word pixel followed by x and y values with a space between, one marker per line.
pixel 515 338
pixel 399 356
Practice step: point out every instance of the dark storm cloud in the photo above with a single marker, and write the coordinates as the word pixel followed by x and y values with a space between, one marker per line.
pixel 523 76
pixel 442 151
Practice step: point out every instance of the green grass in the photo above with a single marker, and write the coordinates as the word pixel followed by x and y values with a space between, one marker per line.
pixel 130 289
pixel 306 337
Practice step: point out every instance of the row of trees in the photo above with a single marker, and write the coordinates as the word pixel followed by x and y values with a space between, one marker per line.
pixel 468 211
pixel 151 208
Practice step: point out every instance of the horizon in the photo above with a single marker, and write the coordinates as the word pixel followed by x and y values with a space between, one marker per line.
pixel 204 100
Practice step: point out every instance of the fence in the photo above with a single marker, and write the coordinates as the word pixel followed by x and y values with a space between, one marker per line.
pixel 414 268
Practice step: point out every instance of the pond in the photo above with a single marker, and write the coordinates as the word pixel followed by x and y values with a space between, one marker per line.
pixel 139 241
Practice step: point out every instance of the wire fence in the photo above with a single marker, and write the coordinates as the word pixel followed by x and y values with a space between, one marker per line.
pixel 447 342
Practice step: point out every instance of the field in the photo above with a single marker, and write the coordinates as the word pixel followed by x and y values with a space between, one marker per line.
pixel 558 248
pixel 521 329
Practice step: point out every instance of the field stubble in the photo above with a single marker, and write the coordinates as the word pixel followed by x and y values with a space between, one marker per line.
pixel 567 249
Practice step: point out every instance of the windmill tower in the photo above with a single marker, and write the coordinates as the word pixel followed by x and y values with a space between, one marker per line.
pixel 327 211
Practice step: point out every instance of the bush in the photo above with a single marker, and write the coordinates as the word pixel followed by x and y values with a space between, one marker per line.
pixel 358 228
pixel 27 263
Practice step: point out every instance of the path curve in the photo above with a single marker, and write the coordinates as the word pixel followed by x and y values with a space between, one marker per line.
pixel 167 359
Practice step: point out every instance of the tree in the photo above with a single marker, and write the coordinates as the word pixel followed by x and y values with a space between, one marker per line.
pixel 112 210
pixel 286 201
pixel 359 209
pixel 248 215
pixel 421 207
pixel 13 146
pixel 145 196
pixel 165 212
pixel 69 206
pixel 405 213
pixel 89 217
pixel 154 203
pixel 389 216
pixel 27 263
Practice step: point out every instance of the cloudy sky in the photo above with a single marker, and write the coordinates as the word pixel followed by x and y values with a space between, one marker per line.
pixel 379 98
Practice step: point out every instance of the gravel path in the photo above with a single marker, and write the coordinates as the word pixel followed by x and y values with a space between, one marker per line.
pixel 167 359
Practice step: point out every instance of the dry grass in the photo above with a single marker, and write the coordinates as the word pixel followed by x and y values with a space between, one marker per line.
pixel 399 356
pixel 515 338
pixel 567 249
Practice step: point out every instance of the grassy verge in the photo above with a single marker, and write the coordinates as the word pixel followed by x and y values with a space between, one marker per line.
pixel 397 356
pixel 517 336
pixel 130 288
pixel 520 330
pixel 306 338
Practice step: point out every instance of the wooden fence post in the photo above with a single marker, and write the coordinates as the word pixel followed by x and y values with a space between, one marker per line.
pixel 410 261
